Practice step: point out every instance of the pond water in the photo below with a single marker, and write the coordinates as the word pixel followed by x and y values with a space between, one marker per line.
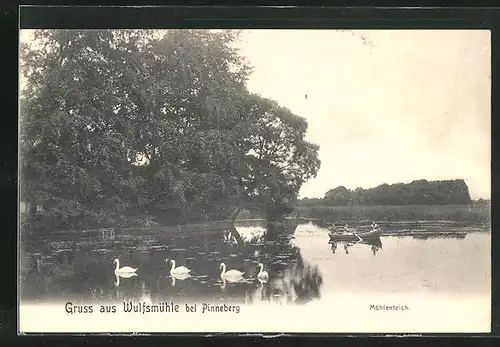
pixel 302 267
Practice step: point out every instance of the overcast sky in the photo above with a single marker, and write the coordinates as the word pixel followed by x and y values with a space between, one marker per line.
pixel 384 106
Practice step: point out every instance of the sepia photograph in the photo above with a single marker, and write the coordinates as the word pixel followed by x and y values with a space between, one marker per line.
pixel 254 181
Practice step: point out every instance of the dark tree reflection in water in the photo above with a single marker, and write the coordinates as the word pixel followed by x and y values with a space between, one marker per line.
pixel 82 268
pixel 302 266
pixel 293 279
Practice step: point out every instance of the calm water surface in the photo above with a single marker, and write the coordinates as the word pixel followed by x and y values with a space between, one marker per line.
pixel 302 267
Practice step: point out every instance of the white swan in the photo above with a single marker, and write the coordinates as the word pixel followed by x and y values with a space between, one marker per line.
pixel 123 270
pixel 231 275
pixel 180 270
pixel 263 275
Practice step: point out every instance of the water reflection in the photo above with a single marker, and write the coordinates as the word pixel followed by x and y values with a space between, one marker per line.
pixel 226 280
pixel 441 236
pixel 262 281
pixel 296 285
pixel 81 268
pixel 301 264
pixel 180 277
pixel 374 244
pixel 123 275
pixel 129 289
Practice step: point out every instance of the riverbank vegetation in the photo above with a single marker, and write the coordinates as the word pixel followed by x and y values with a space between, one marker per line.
pixel 478 213
pixel 446 200
pixel 147 127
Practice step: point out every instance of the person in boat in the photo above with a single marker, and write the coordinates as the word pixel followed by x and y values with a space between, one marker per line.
pixel 347 230
pixel 351 231
pixel 333 227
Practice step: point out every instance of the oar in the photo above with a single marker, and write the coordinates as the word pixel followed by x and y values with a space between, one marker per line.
pixel 359 237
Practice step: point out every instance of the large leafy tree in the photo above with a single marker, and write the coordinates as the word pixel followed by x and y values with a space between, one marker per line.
pixel 73 158
pixel 209 116
pixel 127 126
pixel 280 159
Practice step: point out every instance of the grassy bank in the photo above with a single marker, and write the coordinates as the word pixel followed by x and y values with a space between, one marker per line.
pixel 457 213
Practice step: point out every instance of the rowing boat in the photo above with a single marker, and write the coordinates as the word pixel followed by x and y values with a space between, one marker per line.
pixel 372 234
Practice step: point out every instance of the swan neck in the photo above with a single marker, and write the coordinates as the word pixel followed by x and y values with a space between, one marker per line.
pixel 117 265
pixel 173 265
pixel 223 269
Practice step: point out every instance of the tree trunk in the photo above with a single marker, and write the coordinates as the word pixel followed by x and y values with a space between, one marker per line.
pixel 273 215
pixel 235 214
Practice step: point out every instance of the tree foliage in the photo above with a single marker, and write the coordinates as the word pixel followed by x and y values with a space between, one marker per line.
pixel 137 126
pixel 280 160
pixel 419 192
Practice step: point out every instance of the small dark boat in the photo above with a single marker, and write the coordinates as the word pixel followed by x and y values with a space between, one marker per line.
pixel 367 235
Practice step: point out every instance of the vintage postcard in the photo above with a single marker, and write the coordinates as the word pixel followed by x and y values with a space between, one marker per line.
pixel 254 181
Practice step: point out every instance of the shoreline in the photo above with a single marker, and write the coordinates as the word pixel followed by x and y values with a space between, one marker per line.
pixel 468 214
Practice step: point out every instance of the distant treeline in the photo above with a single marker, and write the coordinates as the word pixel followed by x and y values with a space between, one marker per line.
pixel 420 192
